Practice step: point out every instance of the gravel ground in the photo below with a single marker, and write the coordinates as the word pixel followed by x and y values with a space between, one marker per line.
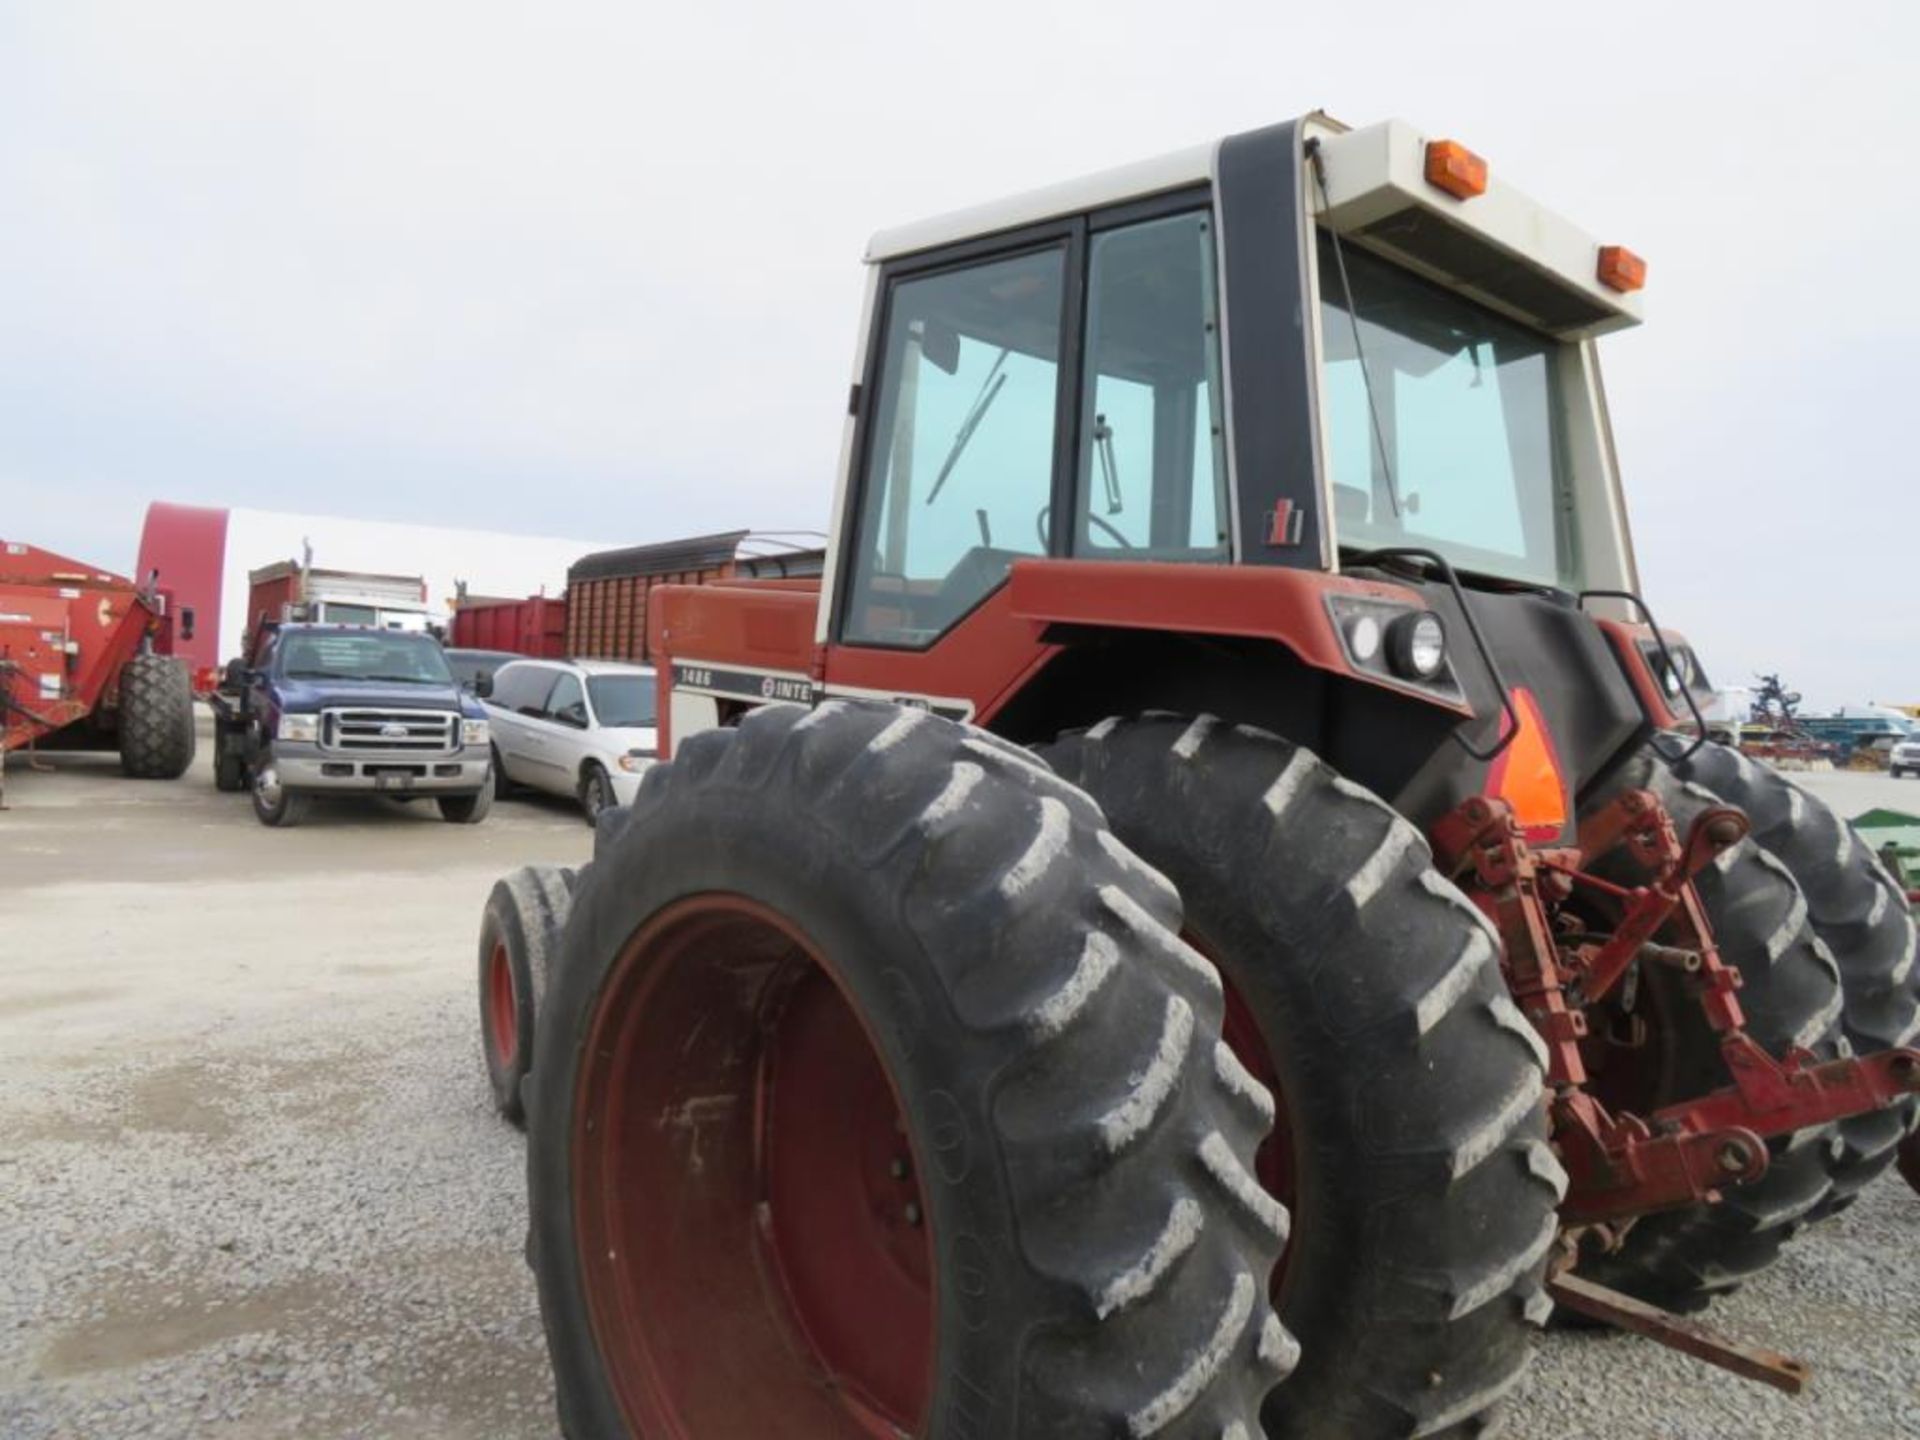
pixel 250 1183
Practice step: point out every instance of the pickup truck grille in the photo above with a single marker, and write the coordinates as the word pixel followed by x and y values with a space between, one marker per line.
pixel 422 732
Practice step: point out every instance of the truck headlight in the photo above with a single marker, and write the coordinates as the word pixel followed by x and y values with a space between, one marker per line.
pixel 475 732
pixel 635 761
pixel 301 728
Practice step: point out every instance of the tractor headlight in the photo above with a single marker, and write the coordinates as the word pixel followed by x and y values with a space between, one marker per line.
pixel 1417 645
pixel 302 729
pixel 475 732
pixel 1363 638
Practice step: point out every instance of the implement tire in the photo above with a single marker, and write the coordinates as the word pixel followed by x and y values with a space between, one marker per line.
pixel 1369 989
pixel 519 934
pixel 1859 910
pixel 156 718
pixel 876 1090
pixel 1681 1259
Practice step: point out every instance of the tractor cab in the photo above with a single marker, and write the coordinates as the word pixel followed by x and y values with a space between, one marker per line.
pixel 1324 406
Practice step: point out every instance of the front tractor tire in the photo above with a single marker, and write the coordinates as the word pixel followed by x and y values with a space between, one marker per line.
pixel 157 737
pixel 1366 991
pixel 519 932
pixel 876 1094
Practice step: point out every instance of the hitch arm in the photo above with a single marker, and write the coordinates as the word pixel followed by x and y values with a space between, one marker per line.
pixel 1773 1097
pixel 1751 1362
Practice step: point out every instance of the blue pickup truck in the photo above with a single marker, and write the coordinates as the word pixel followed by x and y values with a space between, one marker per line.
pixel 346 709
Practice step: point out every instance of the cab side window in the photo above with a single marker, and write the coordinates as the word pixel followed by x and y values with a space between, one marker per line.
pixel 959 465
pixel 567 705
pixel 1152 477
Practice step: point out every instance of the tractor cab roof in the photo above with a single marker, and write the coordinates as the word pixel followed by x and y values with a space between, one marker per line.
pixel 1384 190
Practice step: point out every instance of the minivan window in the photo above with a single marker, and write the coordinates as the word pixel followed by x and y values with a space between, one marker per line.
pixel 622 702
pixel 567 705
pixel 522 688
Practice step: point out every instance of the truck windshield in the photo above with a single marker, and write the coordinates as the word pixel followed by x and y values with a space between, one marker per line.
pixel 622 702
pixel 1467 418
pixel 363 655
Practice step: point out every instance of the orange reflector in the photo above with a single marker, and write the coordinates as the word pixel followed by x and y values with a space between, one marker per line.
pixel 1456 169
pixel 1527 773
pixel 1621 269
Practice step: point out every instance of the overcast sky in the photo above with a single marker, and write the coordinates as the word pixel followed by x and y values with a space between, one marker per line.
pixel 595 270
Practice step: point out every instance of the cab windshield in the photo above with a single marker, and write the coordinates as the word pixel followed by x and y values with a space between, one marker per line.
pixel 363 655
pixel 1467 458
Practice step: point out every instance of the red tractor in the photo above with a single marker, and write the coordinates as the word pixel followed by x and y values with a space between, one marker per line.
pixel 1225 772
pixel 86 662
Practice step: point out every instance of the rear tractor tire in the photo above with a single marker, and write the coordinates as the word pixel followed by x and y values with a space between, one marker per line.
pixel 877 1095
pixel 157 737
pixel 1366 991
pixel 519 934
pixel 1859 911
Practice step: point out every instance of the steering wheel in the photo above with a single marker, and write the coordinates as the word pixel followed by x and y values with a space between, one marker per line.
pixel 1044 530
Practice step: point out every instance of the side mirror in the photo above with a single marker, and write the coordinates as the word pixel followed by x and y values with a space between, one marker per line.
pixel 186 622
pixel 482 686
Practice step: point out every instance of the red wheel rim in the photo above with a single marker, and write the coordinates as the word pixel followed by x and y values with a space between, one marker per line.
pixel 1276 1162
pixel 755 1250
pixel 502 1013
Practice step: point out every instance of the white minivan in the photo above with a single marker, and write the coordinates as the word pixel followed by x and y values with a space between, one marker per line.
pixel 583 728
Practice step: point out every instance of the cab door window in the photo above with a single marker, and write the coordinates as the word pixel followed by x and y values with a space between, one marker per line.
pixel 959 465
pixel 1152 476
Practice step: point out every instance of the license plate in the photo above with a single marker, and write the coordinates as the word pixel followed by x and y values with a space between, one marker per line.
pixel 383 781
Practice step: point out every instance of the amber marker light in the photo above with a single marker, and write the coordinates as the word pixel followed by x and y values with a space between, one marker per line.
pixel 1621 269
pixel 1455 169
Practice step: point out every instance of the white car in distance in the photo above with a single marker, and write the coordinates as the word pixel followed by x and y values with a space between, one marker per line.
pixel 583 728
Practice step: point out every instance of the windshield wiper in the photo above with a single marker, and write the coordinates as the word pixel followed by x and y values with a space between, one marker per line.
pixel 1353 319
pixel 1109 467
pixel 409 679
pixel 319 675
pixel 989 390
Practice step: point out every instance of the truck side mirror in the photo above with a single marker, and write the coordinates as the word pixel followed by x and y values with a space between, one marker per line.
pixel 482 686
pixel 186 622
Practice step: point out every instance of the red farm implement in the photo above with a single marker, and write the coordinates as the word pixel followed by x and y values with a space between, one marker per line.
pixel 86 663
